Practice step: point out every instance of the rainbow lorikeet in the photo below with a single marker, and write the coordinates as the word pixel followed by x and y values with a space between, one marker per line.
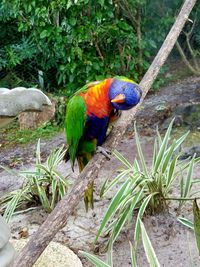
pixel 89 112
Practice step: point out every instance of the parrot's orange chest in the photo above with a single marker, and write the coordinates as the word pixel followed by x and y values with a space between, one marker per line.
pixel 97 100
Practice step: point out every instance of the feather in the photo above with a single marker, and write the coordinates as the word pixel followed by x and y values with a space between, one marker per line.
pixel 74 124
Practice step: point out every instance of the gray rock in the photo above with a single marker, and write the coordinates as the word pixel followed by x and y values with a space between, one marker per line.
pixel 4 233
pixel 189 152
pixel 7 251
pixel 7 255
pixel 19 99
pixel 190 114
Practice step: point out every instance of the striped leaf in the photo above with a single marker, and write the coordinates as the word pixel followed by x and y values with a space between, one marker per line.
pixel 150 253
pixel 196 213
pixel 140 214
pixel 114 205
pixel 93 259
pixel 186 222
pixel 163 147
pixel 140 153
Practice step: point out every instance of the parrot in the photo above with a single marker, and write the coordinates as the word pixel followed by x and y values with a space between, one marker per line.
pixel 88 115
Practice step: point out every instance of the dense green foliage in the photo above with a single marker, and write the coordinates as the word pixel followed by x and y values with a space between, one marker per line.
pixel 63 43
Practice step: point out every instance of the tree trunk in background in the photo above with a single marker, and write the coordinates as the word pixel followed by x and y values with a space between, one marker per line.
pixel 58 218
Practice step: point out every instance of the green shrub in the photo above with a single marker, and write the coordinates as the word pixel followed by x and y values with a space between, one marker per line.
pixel 73 42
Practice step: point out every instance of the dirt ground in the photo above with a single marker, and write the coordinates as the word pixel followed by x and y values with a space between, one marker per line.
pixel 174 244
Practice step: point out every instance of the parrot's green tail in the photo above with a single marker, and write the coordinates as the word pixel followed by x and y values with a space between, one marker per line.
pixel 88 196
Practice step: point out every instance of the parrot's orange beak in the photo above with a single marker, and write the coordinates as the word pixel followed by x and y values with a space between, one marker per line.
pixel 119 99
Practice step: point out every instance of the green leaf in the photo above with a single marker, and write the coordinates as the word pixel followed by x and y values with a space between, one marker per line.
pixel 42 195
pixel 168 157
pixel 188 180
pixel 114 205
pixel 124 26
pixel 93 259
pixel 103 188
pixel 118 178
pixel 14 203
pixel 163 147
pixel 136 166
pixel 42 167
pixel 101 2
pixel 135 200
pixel 54 193
pixel 69 4
pixel 125 214
pixel 186 222
pixel 140 153
pixel 122 159
pixel 63 180
pixel 170 173
pixel 196 213
pixel 43 198
pixel 120 223
pixel 155 151
pixel 62 190
pixel 140 214
pixel 181 140
pixel 110 253
pixel 150 253
pixel 72 21
pixel 133 255
pixel 43 34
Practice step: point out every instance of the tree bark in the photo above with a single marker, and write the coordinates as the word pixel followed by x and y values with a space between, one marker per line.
pixel 58 218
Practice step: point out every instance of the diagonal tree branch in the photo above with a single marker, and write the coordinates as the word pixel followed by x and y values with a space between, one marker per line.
pixel 58 218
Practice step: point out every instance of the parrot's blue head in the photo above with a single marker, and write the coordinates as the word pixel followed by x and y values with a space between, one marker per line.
pixel 124 95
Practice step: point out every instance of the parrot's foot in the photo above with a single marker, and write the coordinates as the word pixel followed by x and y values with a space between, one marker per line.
pixel 104 151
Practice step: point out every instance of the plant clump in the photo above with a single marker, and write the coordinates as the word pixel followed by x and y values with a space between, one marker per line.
pixel 44 185
pixel 145 188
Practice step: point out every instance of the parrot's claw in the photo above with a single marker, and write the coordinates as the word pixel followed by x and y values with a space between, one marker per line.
pixel 104 151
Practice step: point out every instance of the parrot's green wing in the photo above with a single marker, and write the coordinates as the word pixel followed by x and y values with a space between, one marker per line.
pixel 75 120
pixel 74 124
